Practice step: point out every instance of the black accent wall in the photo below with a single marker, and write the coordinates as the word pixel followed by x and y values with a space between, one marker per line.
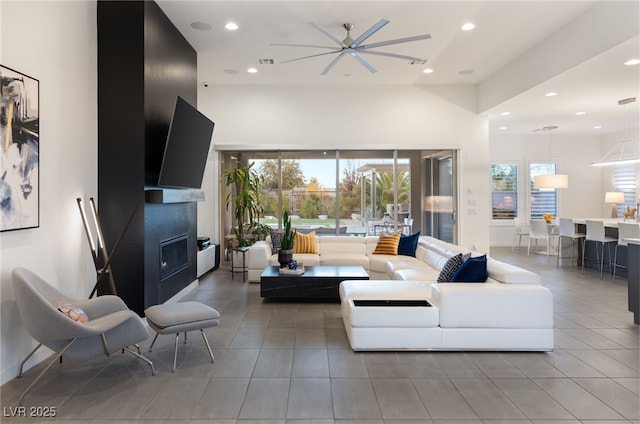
pixel 143 64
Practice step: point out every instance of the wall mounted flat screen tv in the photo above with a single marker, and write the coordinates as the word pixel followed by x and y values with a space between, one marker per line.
pixel 187 147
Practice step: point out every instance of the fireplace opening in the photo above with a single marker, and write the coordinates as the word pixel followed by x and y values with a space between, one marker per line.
pixel 173 256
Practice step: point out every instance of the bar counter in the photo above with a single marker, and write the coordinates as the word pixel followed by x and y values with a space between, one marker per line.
pixel 633 272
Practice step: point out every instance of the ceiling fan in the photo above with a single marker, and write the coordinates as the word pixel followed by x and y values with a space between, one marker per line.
pixel 354 48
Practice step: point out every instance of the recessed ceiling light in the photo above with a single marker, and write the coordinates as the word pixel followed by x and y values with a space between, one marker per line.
pixel 231 26
pixel 200 26
pixel 465 72
pixel 597 127
pixel 505 113
pixel 252 70
pixel 504 128
pixel 581 113
pixel 551 94
pixel 468 26
pixel 631 62
pixel 427 71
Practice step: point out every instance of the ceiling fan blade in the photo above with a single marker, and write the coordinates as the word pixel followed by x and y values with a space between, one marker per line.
pixel 310 56
pixel 303 45
pixel 326 33
pixel 333 62
pixel 396 41
pixel 397 56
pixel 368 33
pixel 364 62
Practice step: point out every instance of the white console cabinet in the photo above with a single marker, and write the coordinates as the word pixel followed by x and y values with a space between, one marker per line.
pixel 206 260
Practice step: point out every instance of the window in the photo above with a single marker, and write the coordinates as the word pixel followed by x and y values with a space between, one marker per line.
pixel 504 190
pixel 542 200
pixel 624 180
pixel 330 192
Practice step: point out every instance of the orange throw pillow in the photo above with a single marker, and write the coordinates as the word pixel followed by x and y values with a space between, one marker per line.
pixel 388 244
pixel 304 243
pixel 74 312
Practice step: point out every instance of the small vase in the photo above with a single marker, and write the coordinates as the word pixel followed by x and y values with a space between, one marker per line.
pixel 284 256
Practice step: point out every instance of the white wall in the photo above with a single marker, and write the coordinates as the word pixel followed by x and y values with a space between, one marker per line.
pixel 585 194
pixel 318 117
pixel 54 42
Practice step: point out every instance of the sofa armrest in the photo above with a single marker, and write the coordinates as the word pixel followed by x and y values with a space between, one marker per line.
pixel 258 255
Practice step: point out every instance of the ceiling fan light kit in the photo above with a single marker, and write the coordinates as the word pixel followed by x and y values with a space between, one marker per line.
pixel 355 48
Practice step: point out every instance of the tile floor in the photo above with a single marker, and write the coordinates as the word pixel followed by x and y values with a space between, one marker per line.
pixel 291 362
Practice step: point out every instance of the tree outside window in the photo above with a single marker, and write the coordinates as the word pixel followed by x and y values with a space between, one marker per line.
pixel 504 190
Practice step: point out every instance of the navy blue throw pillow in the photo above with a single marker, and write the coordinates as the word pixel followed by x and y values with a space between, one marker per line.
pixel 408 244
pixel 473 270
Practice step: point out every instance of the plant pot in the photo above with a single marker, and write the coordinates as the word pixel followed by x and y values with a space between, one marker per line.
pixel 284 256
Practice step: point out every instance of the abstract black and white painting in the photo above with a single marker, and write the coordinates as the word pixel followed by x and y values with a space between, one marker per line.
pixel 20 141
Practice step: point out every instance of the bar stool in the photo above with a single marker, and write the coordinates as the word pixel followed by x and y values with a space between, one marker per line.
pixel 595 233
pixel 567 229
pixel 626 230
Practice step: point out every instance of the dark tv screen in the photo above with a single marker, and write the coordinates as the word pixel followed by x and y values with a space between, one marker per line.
pixel 187 147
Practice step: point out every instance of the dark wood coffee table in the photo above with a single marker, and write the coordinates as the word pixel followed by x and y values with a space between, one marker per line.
pixel 317 282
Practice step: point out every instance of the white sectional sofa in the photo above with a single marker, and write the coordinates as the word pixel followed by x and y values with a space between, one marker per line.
pixel 511 310
pixel 332 250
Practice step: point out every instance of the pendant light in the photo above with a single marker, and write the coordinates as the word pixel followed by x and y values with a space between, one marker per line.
pixel 550 181
pixel 627 150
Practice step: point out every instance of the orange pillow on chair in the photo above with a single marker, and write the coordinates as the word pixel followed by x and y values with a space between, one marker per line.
pixel 388 244
pixel 304 243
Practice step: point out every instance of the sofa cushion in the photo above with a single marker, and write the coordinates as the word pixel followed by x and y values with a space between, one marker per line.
pixel 450 267
pixel 416 274
pixel 378 263
pixel 341 259
pixel 306 259
pixel 473 270
pixel 384 289
pixel 408 244
pixel 511 274
pixel 342 244
pixel 305 243
pixel 388 244
pixel 493 305
pixel 403 262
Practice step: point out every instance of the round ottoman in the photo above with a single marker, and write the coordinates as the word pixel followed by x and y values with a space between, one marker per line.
pixel 181 317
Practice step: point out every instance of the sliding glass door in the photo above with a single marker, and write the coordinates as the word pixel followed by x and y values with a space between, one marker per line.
pixel 350 192
pixel 440 205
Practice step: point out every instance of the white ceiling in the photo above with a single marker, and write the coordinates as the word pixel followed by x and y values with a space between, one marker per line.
pixel 505 32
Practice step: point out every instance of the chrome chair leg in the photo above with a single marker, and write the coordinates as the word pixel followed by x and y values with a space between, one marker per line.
pixel 175 353
pixel 206 342
pixel 59 355
pixel 27 358
pixel 153 342
pixel 143 358
pixel 105 345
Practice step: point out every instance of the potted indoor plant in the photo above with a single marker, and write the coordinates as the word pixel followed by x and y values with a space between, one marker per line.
pixel 286 247
pixel 246 203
